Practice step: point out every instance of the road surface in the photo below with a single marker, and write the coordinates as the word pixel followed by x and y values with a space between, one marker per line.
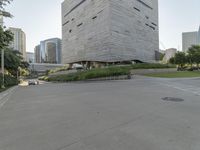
pixel 112 115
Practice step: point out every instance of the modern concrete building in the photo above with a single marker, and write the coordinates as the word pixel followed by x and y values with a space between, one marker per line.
pixel 30 57
pixel 189 39
pixel 109 30
pixel 37 54
pixel 49 51
pixel 169 53
pixel 19 42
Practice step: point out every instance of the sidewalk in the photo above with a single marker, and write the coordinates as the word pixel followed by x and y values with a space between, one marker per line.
pixel 4 96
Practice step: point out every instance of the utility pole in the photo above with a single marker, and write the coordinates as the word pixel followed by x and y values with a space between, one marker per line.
pixel 2 68
pixel 2 53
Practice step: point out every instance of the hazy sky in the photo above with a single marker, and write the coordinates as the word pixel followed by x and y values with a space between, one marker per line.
pixel 42 19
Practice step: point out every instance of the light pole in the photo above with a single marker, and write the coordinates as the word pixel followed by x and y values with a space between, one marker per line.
pixel 2 68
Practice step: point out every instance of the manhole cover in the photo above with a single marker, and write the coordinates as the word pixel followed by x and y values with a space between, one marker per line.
pixel 173 99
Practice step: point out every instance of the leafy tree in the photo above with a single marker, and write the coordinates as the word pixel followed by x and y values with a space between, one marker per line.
pixel 194 55
pixel 3 3
pixel 180 59
pixel 172 60
pixel 14 61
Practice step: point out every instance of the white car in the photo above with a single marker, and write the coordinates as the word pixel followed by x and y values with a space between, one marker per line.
pixel 33 82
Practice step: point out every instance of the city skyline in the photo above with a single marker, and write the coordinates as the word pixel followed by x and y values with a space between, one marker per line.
pixel 172 20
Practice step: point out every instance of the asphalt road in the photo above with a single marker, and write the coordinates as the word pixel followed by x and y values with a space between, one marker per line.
pixel 114 115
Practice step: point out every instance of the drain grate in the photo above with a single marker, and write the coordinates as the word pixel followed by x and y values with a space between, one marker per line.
pixel 173 99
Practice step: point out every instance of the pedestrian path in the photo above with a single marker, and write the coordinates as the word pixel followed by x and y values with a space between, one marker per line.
pixel 4 97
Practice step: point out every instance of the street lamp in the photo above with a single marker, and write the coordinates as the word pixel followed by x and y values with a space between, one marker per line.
pixel 2 68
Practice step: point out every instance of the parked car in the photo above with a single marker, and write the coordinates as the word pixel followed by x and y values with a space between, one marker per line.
pixel 33 82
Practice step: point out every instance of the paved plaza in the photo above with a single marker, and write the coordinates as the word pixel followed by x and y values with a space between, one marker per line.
pixel 110 115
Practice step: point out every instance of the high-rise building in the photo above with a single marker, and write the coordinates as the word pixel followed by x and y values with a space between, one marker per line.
pixel 30 57
pixel 37 54
pixel 49 51
pixel 19 42
pixel 109 30
pixel 189 39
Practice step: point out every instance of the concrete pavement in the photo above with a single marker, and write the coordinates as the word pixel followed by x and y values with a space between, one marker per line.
pixel 114 115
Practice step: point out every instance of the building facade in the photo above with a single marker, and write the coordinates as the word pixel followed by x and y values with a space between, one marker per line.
pixel 49 51
pixel 19 41
pixel 30 57
pixel 37 54
pixel 189 39
pixel 169 53
pixel 109 30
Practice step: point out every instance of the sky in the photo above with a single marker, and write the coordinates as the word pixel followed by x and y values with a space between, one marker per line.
pixel 41 20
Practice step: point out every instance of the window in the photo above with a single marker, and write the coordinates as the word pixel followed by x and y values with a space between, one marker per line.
pixel 154 24
pixel 74 7
pixel 70 31
pixel 136 9
pixel 146 5
pixel 65 23
pixel 79 24
pixel 94 17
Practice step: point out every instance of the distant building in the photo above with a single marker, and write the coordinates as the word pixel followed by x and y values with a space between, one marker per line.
pixel 30 57
pixel 19 41
pixel 41 68
pixel 109 31
pixel 189 39
pixel 169 53
pixel 49 51
pixel 37 54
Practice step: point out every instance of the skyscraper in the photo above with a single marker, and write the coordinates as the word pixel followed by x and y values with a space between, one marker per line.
pixel 109 30
pixel 189 39
pixel 49 51
pixel 19 42
pixel 37 54
pixel 30 57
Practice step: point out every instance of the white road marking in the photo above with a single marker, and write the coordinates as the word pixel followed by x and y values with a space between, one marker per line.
pixel 190 89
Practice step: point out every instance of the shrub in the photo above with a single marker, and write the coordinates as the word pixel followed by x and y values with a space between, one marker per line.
pixel 8 81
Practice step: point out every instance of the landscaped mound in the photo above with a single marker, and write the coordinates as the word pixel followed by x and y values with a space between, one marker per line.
pixel 103 72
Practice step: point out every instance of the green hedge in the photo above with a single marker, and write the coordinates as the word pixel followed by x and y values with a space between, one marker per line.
pixel 8 81
pixel 103 72
pixel 89 74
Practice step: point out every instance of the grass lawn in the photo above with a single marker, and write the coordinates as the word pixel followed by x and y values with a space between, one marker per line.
pixel 180 74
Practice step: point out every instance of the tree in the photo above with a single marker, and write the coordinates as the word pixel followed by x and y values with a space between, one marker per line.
pixel 179 59
pixel 194 54
pixel 172 60
pixel 3 3
pixel 14 61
